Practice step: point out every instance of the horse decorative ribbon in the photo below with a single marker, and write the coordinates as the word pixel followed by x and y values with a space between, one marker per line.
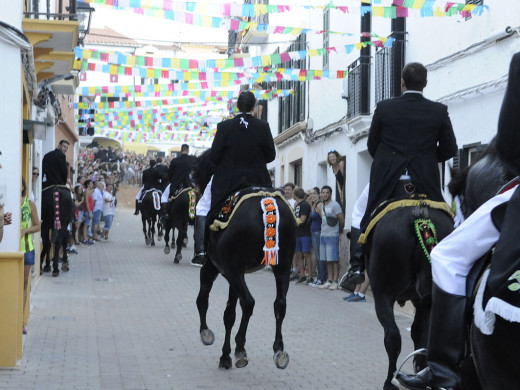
pixel 57 222
pixel 156 200
pixel 192 203
pixel 426 235
pixel 271 221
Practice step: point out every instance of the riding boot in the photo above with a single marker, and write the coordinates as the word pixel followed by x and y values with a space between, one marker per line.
pixel 164 213
pixel 356 274
pixel 199 257
pixel 137 207
pixel 446 344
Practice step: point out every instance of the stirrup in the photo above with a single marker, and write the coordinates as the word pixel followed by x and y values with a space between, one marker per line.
pixel 421 351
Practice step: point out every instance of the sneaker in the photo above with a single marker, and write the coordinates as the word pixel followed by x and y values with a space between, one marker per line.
pixel 198 260
pixel 333 286
pixel 309 280
pixel 302 280
pixel 358 298
pixel 350 297
pixel 327 284
pixel 90 242
pixel 317 283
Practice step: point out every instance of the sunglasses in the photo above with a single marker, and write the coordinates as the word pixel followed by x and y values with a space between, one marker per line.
pixel 332 151
pixel 36 174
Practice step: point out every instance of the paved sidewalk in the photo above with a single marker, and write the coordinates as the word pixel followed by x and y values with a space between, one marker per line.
pixel 124 318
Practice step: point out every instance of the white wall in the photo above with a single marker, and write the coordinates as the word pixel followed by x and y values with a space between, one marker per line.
pixel 10 130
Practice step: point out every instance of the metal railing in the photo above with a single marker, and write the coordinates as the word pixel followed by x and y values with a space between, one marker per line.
pixel 355 86
pixel 388 68
pixel 34 11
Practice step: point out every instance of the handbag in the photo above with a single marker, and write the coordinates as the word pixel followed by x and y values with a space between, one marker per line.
pixel 331 221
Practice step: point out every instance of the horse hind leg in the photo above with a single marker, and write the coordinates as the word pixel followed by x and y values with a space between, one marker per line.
pixel 64 243
pixel 178 252
pixel 229 321
pixel 46 250
pixel 208 274
pixel 419 333
pixel 392 339
pixel 281 358
pixel 247 303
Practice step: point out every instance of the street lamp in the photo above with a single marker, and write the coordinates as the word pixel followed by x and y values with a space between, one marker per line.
pixel 84 14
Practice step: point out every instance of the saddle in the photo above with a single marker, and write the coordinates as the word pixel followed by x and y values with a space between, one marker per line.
pixel 270 218
pixel 192 199
pixel 406 196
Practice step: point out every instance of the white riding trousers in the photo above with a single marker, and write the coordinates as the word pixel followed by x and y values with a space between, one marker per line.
pixel 166 194
pixel 205 201
pixel 454 256
pixel 138 196
pixel 360 207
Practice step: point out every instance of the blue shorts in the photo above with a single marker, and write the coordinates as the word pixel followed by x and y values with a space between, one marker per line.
pixel 303 244
pixel 96 217
pixel 329 248
pixel 108 222
pixel 86 219
pixel 28 258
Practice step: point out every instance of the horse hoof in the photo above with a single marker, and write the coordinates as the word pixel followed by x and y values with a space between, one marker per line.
pixel 152 244
pixel 281 359
pixel 65 267
pixel 159 238
pixel 241 359
pixel 177 259
pixel 207 337
pixel 225 363
pixel 55 273
pixel 389 385
pixel 147 242
pixel 166 250
pixel 47 268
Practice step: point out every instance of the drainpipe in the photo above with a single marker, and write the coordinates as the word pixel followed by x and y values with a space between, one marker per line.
pixel 398 27
pixel 364 60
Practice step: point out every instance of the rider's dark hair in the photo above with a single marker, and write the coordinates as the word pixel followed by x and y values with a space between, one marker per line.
pixel 152 163
pixel 185 148
pixel 64 141
pixel 246 101
pixel 415 76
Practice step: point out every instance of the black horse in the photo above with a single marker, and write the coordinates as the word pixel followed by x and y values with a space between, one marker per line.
pixel 178 218
pixel 493 355
pixel 399 270
pixel 236 250
pixel 480 181
pixel 56 216
pixel 150 217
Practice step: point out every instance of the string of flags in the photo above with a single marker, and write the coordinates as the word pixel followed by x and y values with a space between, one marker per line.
pixel 177 11
pixel 117 58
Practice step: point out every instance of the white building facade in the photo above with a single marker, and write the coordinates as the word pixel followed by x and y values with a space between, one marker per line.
pixel 467 60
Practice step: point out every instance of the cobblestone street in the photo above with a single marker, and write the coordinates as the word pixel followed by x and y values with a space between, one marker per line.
pixel 124 317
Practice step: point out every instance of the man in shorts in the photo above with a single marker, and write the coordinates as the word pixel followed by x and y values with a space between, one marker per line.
pixel 332 223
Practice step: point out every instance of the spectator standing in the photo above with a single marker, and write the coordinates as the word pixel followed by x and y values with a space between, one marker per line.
pixel 97 196
pixel 315 218
pixel 288 189
pixel 88 206
pixel 332 222
pixel 109 209
pixel 302 210
pixel 34 187
pixel 337 163
pixel 77 217
pixel 30 224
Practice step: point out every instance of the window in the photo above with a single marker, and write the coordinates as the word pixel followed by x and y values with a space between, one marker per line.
pixel 297 170
pixel 468 155
pixel 292 107
pixel 326 40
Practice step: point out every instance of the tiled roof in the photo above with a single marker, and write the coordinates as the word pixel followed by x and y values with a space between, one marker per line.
pixel 109 37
